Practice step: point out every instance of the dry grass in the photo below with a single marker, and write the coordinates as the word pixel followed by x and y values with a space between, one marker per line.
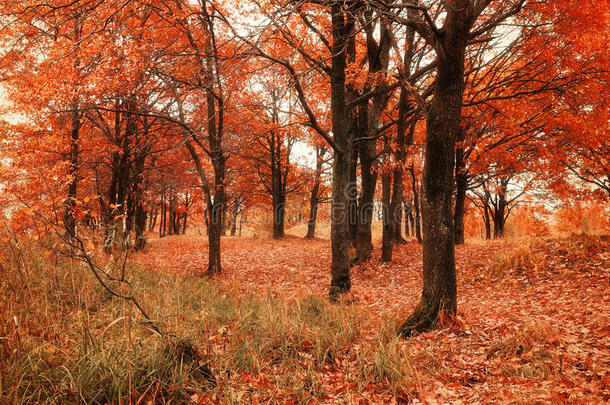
pixel 269 335
pixel 64 339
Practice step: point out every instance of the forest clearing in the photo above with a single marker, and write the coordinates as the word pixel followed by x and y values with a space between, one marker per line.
pixel 533 328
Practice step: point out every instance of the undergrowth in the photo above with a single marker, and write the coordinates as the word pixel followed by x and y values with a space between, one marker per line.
pixel 66 340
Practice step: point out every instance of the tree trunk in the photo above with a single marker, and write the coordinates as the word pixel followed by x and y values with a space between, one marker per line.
pixel 461 182
pixel 153 218
pixel 139 220
pixel 279 214
pixel 234 220
pixel 223 228
pixel 439 295
pixel 311 222
pixel 417 224
pixel 368 154
pixel 396 207
pixel 340 236
pixel 313 203
pixel 171 214
pixel 487 222
pixel 387 239
pixel 499 221
pixel 241 221
pixel 408 219
pixel 352 197
pixel 70 204
pixel 162 213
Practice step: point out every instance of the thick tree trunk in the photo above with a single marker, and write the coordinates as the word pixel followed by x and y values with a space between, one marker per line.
pixel 340 236
pixel 279 215
pixel 439 295
pixel 499 221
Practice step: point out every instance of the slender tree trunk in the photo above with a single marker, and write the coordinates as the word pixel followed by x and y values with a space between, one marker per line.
pixel 352 196
pixel 153 218
pixel 69 219
pixel 368 153
pixel 140 227
pixel 417 224
pixel 396 207
pixel 172 214
pixel 223 228
pixel 387 239
pixel 162 219
pixel 138 195
pixel 234 220
pixel 408 219
pixel 461 182
pixel 313 204
pixel 487 222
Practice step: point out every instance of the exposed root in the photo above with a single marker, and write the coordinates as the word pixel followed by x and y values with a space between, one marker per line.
pixel 423 319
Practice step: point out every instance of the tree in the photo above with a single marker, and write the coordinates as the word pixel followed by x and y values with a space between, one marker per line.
pixel 464 22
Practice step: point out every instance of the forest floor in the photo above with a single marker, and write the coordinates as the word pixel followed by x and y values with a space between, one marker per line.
pixel 533 327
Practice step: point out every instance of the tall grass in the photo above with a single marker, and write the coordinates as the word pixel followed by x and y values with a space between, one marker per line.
pixel 63 339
